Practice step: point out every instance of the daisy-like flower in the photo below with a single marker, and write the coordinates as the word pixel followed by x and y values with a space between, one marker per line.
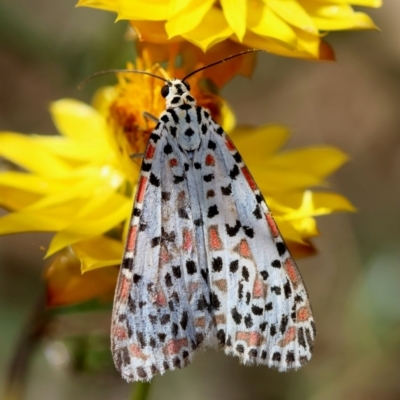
pixel 80 184
pixel 285 27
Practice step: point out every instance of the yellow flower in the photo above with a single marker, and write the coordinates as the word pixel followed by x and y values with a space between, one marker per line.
pixel 286 27
pixel 79 185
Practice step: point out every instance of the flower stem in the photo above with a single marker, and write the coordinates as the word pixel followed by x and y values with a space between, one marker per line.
pixel 141 391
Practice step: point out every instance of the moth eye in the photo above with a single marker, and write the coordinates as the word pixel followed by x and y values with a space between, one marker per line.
pixel 165 91
pixel 187 85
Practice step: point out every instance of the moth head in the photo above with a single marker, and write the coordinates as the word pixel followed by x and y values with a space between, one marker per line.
pixel 176 93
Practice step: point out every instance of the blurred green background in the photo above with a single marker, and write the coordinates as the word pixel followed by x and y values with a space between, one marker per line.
pixel 48 47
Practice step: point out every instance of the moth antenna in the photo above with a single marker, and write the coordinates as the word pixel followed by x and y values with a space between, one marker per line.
pixel 221 61
pixel 113 71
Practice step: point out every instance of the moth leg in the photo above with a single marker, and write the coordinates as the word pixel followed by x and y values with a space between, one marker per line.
pixel 136 155
pixel 149 116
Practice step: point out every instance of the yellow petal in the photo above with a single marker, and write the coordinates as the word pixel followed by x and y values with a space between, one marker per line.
pixel 91 183
pixel 189 18
pixel 293 13
pixel 66 285
pixel 29 182
pixel 23 151
pixel 315 161
pixel 155 10
pixel 288 232
pixel 303 205
pixel 308 46
pixel 264 22
pixel 212 30
pixel 83 124
pixel 98 252
pixel 228 119
pixel 13 199
pixel 98 220
pixel 259 143
pixel 31 222
pixel 235 12
pixel 366 3
pixel 337 17
pixel 107 5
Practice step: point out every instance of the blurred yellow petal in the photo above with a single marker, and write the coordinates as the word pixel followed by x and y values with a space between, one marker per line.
pixel 83 124
pixel 107 5
pixel 28 182
pixel 315 161
pixel 337 17
pixel 269 139
pixel 98 252
pixel 22 150
pixel 186 22
pixel 235 12
pixel 155 10
pixel 228 117
pixel 66 285
pixel 22 221
pixel 97 222
pixel 13 199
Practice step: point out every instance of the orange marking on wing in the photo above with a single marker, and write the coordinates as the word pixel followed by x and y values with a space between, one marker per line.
pixel 193 287
pixel 164 255
pixel 303 314
pixel 200 322
pixel 221 284
pixel 150 152
pixel 220 319
pixel 131 238
pixel 210 160
pixel 120 333
pixel 214 239
pixel 259 289
pixel 292 271
pixel 289 337
pixel 249 178
pixel 125 286
pixel 173 162
pixel 229 144
pixel 137 352
pixel 272 225
pixel 187 240
pixel 160 299
pixel 243 249
pixel 141 189
pixel 174 346
pixel 251 338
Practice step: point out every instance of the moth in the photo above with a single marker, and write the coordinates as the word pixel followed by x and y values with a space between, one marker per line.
pixel 204 262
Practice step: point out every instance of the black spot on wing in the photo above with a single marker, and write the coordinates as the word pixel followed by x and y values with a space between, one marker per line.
pixel 154 180
pixel 173 114
pixel 168 149
pixel 154 137
pixel 281 247
pixel 146 166
pixel 227 190
pixel 212 145
pixel 233 230
pixel 234 172
pixel 212 211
